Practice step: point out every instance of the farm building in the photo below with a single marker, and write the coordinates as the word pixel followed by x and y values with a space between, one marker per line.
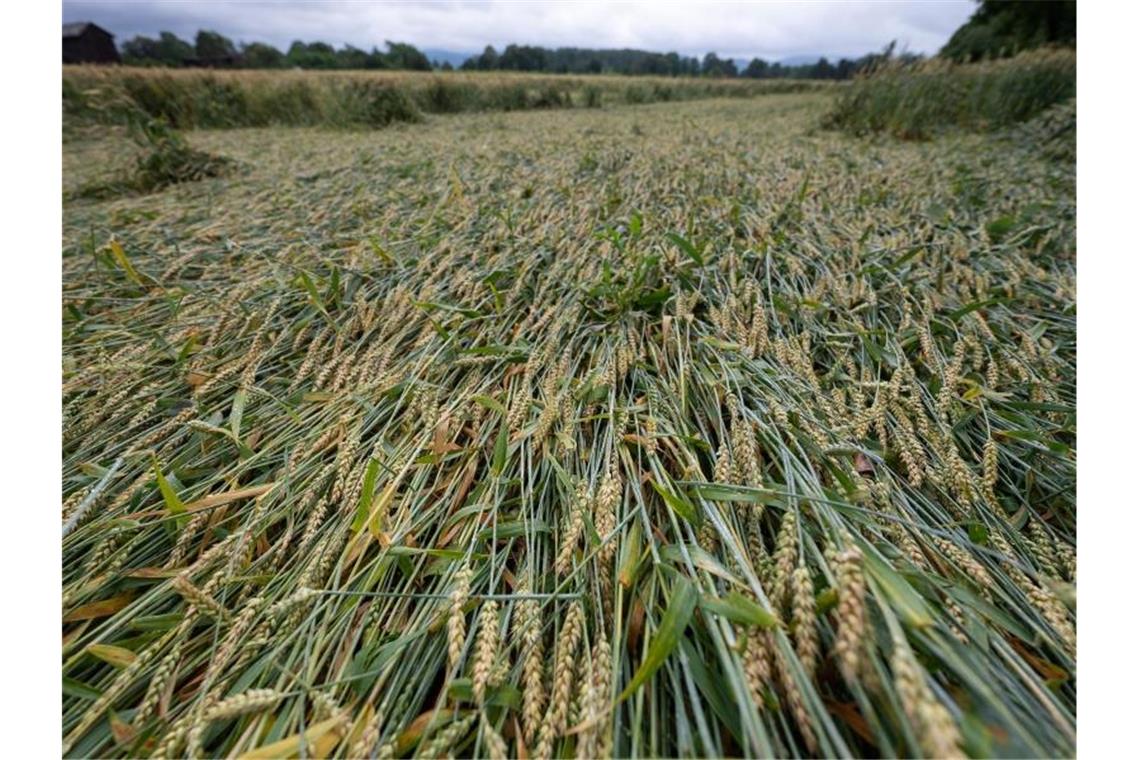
pixel 84 42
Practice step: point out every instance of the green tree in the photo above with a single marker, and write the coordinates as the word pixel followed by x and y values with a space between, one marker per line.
pixel 488 60
pixel 167 50
pixel 350 57
pixel 401 55
pixel 757 68
pixel 998 29
pixel 712 66
pixel 822 70
pixel 213 49
pixel 258 55
pixel 316 55
pixel 140 51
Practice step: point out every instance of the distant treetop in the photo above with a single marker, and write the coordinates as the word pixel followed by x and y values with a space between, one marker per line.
pixel 214 50
pixel 1001 29
pixel 217 51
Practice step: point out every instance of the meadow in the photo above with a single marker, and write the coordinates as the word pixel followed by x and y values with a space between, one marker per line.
pixel 691 428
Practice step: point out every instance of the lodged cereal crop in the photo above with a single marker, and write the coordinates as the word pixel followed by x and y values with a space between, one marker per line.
pixel 683 429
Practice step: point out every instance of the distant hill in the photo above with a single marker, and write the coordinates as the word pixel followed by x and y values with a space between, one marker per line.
pixel 800 60
pixel 454 57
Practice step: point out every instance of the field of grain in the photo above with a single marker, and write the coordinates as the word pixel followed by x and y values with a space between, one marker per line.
pixel 683 429
pixel 189 98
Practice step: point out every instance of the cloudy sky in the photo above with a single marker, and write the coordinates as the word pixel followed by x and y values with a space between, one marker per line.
pixel 769 29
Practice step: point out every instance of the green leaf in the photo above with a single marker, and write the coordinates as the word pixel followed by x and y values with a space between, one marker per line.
pixel 678 503
pixel 92 470
pixel 237 411
pixel 904 599
pixel 682 603
pixel 365 504
pixel 725 492
pixel 80 690
pixel 505 695
pixel 113 655
pixel 689 249
pixel 978 533
pixel 243 450
pixel 429 305
pixel 711 685
pixel 174 505
pixel 499 458
pixel 1000 227
pixel 512 529
pixel 974 306
pixel 121 259
pixel 905 257
pixel 683 555
pixel 739 609
pixel 314 296
pixel 157 622
pixel 494 349
pixel 635 225
pixel 631 554
pixel 377 249
pixel 826 600
pixel 720 345
pixel 1031 437
pixel 490 403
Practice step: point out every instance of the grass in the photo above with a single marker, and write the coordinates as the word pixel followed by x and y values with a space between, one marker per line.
pixel 913 101
pixel 679 430
pixel 220 99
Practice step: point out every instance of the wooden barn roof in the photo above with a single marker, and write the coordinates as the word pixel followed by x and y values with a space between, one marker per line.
pixel 77 28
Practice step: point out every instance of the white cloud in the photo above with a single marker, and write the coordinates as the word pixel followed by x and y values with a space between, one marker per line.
pixel 773 29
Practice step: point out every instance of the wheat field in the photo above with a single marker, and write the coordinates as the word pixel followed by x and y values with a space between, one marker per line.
pixel 677 430
pixel 190 98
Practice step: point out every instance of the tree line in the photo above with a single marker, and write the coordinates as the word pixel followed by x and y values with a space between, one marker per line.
pixel 1000 29
pixel 641 62
pixel 996 29
pixel 217 51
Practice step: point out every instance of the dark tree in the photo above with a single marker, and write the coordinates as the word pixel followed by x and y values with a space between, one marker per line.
pixel 999 29
pixel 212 49
pixel 376 59
pixel 487 60
pixel 757 68
pixel 583 61
pixel 350 57
pixel 845 69
pixel 523 58
pixel 401 55
pixel 258 55
pixel 712 66
pixel 140 50
pixel 822 70
pixel 316 55
pixel 167 50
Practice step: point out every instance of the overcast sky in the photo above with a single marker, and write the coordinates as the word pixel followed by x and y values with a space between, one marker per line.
pixel 770 30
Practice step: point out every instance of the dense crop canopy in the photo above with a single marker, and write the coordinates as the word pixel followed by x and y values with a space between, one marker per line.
pixel 678 430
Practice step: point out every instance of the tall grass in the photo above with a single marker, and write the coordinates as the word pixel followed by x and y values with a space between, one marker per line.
pixel 913 101
pixel 197 98
pixel 728 442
